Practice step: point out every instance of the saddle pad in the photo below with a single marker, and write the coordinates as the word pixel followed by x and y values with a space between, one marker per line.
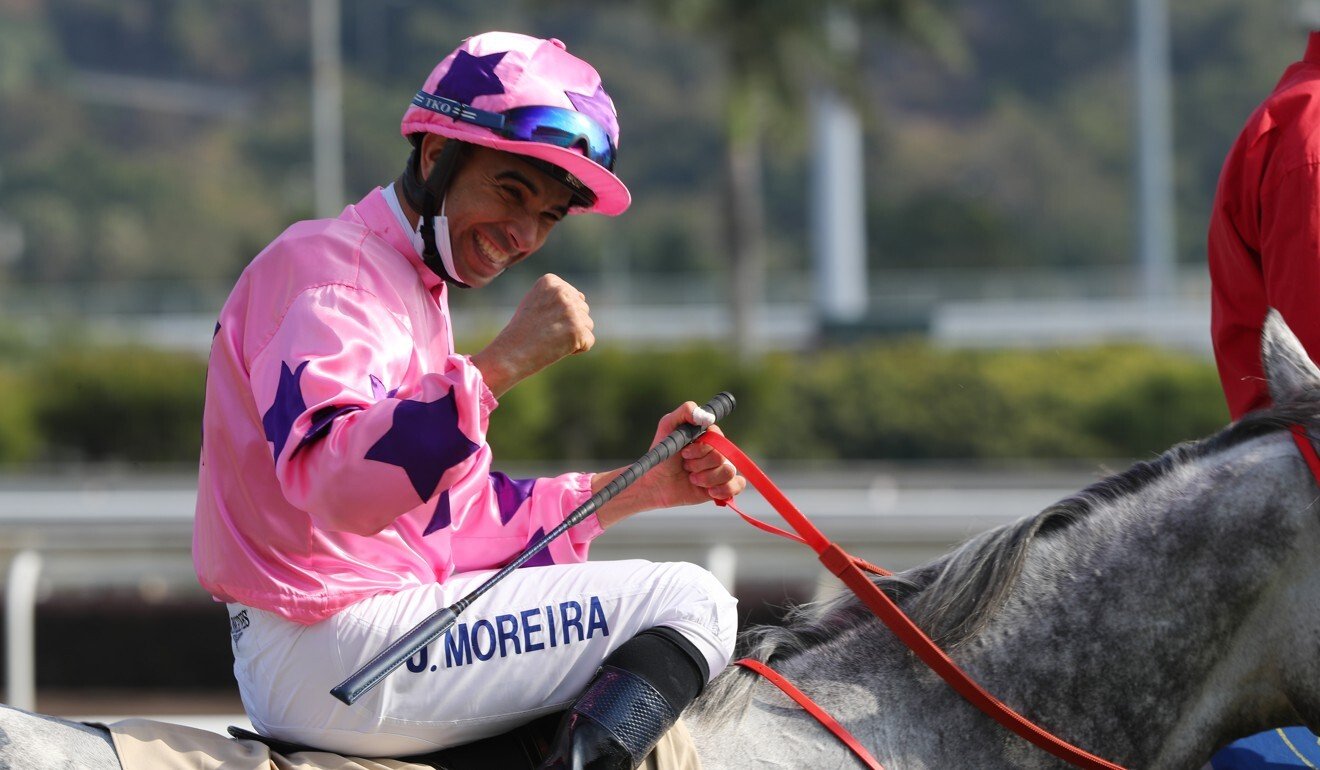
pixel 1274 750
pixel 145 744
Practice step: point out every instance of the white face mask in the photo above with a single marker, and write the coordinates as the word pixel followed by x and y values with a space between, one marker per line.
pixel 442 243
pixel 446 249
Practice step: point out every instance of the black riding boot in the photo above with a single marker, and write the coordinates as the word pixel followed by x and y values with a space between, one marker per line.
pixel 635 697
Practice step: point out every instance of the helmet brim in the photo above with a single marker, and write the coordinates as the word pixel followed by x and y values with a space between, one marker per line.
pixel 612 196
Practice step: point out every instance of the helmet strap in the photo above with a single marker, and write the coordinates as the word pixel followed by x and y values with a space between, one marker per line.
pixel 427 198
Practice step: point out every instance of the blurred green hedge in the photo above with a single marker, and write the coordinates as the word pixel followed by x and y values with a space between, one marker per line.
pixel 123 404
pixel 880 401
pixel 892 401
pixel 910 401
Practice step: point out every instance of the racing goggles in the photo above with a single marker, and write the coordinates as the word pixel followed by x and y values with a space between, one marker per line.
pixel 559 126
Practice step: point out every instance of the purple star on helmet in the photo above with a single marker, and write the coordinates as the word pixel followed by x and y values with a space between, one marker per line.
pixel 471 76
pixel 542 557
pixel 425 441
pixel 510 493
pixel 441 516
pixel 286 408
pixel 598 107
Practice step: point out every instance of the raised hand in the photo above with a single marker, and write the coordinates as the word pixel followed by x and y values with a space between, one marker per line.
pixel 552 321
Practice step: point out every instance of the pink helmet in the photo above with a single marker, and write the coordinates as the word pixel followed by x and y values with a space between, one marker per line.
pixel 529 97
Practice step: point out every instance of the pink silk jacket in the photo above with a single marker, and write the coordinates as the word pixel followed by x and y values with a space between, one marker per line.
pixel 344 445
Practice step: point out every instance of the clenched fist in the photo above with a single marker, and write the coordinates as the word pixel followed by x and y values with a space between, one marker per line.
pixel 551 322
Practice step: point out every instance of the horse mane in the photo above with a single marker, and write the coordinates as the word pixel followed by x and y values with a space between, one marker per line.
pixel 955 596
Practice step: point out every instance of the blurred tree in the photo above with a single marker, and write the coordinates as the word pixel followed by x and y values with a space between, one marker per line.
pixel 1022 160
pixel 773 54
pixel 1031 146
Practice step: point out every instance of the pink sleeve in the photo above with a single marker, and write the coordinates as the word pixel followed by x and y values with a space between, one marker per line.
pixel 359 437
pixel 489 530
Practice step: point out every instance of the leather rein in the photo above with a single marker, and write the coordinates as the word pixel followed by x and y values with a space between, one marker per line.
pixel 852 571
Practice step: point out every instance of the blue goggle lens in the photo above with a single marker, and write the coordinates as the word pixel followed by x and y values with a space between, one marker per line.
pixel 559 126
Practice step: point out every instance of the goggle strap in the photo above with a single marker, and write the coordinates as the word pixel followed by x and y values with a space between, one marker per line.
pixel 452 108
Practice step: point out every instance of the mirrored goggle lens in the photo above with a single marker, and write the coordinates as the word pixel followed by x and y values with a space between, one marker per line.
pixel 561 127
pixel 548 125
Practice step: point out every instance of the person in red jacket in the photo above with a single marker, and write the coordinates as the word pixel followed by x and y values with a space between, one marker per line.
pixel 1264 240
pixel 1264 251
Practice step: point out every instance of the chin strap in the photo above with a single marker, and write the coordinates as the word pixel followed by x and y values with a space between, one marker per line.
pixel 427 197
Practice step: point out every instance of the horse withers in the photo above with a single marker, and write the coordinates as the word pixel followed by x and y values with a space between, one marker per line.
pixel 1149 619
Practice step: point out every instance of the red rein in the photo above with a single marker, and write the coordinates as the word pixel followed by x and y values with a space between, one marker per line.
pixel 850 571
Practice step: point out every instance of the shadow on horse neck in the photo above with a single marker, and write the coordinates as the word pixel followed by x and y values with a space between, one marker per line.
pixel 1149 619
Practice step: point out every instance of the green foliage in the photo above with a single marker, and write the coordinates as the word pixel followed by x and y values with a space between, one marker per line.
pixel 122 403
pixel 910 401
pixel 18 431
pixel 1161 402
pixel 1020 158
pixel 1025 153
pixel 606 404
pixel 903 401
pixel 895 401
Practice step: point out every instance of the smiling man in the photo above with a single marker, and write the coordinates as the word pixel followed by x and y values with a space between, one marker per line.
pixel 346 488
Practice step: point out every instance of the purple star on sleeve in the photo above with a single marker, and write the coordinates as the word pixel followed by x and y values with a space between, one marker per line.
pixel 543 557
pixel 322 419
pixel 378 390
pixel 598 107
pixel 511 493
pixel 471 76
pixel 442 516
pixel 425 440
pixel 288 405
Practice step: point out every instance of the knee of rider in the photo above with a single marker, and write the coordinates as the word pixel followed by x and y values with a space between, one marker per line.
pixel 706 612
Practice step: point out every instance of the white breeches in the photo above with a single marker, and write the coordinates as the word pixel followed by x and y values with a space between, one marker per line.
pixel 526 648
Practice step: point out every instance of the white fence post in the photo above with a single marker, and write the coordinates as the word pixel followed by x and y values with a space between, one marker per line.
pixel 722 561
pixel 21 631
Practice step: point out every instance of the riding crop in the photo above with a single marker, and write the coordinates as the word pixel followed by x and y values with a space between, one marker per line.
pixel 435 624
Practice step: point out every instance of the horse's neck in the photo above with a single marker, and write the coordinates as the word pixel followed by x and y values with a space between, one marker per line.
pixel 1135 633
pixel 1139 631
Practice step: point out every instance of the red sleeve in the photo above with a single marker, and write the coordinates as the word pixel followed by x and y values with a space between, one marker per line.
pixel 1290 252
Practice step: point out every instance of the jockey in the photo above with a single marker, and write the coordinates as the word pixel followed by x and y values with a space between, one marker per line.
pixel 346 489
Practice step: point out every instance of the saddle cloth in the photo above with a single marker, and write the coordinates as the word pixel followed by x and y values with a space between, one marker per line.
pixel 146 744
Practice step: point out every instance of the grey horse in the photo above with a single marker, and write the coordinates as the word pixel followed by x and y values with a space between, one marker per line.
pixel 1149 619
